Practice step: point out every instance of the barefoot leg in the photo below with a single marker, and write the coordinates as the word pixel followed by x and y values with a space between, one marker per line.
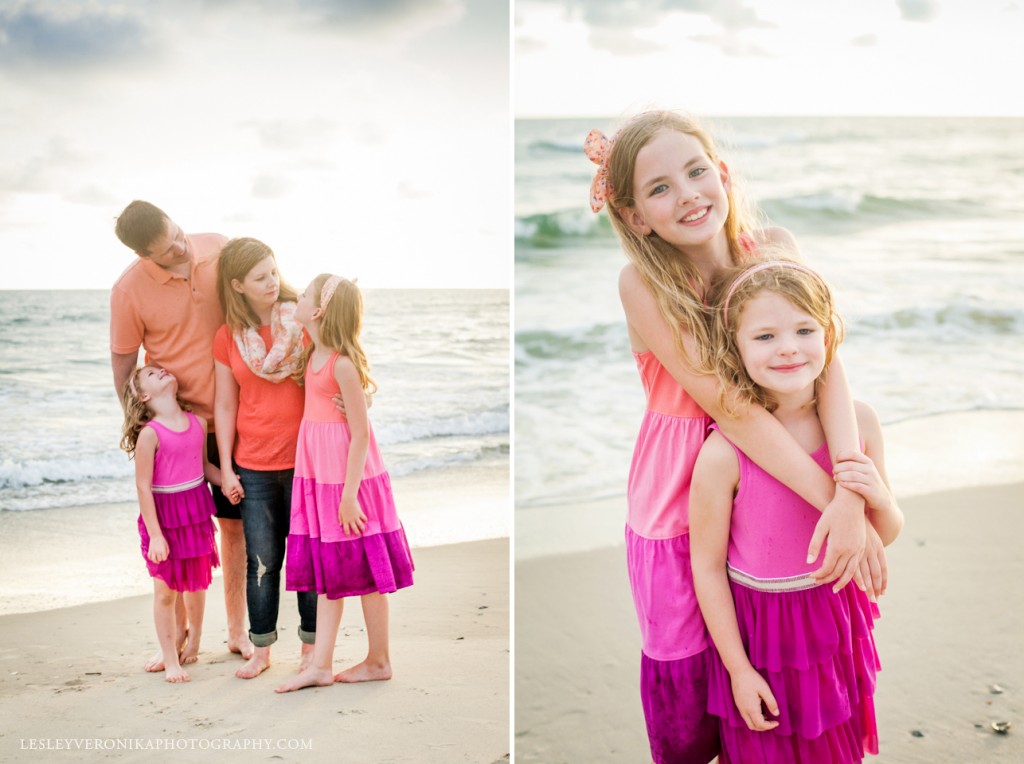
pixel 156 663
pixel 319 672
pixel 377 665
pixel 195 605
pixel 232 560
pixel 256 665
pixel 306 657
pixel 164 599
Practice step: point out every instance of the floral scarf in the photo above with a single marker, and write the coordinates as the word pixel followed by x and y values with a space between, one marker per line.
pixel 282 359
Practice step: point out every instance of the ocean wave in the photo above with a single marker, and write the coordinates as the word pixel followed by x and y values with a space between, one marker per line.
pixel 853 206
pixel 551 228
pixel 29 473
pixel 584 342
pixel 492 422
pixel 563 147
pixel 958 319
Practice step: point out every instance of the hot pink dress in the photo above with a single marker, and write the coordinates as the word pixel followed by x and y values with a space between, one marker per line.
pixel 673 670
pixel 320 557
pixel 184 509
pixel 814 647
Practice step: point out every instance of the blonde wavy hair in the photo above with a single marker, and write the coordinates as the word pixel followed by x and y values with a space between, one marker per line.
pixel 804 288
pixel 136 414
pixel 340 327
pixel 237 258
pixel 676 284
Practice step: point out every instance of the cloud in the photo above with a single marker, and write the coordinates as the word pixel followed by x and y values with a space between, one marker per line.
pixel 732 45
pixel 729 14
pixel 918 10
pixel 62 37
pixel 289 134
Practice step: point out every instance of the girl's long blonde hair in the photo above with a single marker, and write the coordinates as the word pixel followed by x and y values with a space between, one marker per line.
pixel 804 288
pixel 136 414
pixel 676 284
pixel 340 326
pixel 237 258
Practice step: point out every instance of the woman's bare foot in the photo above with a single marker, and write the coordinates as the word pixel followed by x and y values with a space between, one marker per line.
pixel 242 646
pixel 366 671
pixel 176 674
pixel 256 665
pixel 306 657
pixel 311 677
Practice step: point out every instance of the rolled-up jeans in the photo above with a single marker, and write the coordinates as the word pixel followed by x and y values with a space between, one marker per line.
pixel 266 515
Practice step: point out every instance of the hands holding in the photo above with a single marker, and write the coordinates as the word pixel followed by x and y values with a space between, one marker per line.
pixel 231 486
pixel 856 472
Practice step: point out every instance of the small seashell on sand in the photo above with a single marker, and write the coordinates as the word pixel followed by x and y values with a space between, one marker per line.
pixel 1001 728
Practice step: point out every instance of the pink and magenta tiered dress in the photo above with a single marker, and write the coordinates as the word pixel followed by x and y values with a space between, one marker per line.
pixel 814 647
pixel 320 557
pixel 673 669
pixel 184 509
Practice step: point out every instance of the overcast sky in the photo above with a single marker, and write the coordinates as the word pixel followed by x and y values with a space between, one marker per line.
pixel 760 57
pixel 367 138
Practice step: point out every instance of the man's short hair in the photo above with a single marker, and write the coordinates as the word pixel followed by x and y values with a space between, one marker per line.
pixel 139 225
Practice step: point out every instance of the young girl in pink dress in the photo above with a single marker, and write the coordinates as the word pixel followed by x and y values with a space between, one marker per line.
pixel 676 210
pixel 792 675
pixel 168 443
pixel 346 539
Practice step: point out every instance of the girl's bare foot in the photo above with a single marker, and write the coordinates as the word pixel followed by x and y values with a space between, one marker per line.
pixel 190 653
pixel 176 674
pixel 156 663
pixel 306 657
pixel 242 646
pixel 311 677
pixel 256 665
pixel 366 671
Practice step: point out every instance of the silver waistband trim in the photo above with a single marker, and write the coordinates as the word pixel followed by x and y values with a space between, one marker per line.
pixel 180 487
pixel 788 584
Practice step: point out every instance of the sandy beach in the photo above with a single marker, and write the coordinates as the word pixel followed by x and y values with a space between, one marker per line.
pixel 72 678
pixel 949 640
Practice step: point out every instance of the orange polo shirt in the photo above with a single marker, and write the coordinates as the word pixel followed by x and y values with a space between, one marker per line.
pixel 174 318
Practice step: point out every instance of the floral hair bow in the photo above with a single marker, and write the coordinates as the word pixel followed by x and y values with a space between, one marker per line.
pixel 597 146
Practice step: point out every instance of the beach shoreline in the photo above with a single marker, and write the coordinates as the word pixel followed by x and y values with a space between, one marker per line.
pixel 949 634
pixel 97 545
pixel 72 684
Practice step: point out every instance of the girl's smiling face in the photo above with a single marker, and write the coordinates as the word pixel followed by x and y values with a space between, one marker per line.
pixel 782 347
pixel 680 194
pixel 153 380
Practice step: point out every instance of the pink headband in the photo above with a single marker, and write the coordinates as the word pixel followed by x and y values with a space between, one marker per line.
pixel 328 291
pixel 597 146
pixel 745 276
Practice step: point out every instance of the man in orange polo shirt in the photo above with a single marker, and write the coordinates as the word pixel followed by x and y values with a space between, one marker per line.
pixel 166 302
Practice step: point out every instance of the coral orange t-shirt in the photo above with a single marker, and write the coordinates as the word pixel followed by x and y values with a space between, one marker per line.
pixel 174 318
pixel 269 413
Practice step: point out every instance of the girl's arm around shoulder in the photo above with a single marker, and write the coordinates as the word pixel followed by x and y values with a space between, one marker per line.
pixel 865 474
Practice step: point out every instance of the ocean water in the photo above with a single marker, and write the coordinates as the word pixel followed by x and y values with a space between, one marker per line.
pixel 440 358
pixel 918 223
